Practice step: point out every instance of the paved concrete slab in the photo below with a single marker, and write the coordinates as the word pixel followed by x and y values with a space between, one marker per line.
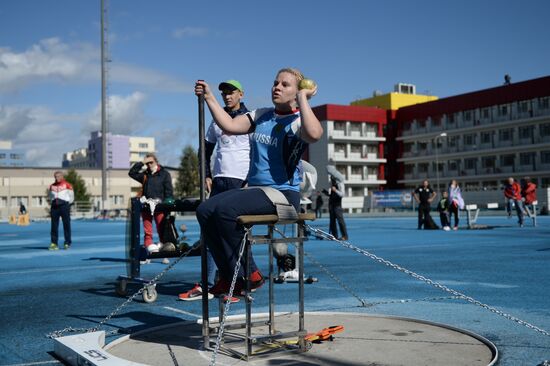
pixel 366 340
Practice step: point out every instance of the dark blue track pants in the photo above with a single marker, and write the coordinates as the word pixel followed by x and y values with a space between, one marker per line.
pixel 63 211
pixel 218 220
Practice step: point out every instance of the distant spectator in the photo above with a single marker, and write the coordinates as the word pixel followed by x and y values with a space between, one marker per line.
pixel 456 202
pixel 424 196
pixel 156 187
pixel 512 193
pixel 22 209
pixel 61 196
pixel 529 196
pixel 319 205
pixel 443 209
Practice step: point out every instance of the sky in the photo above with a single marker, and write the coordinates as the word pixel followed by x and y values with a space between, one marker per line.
pixel 50 76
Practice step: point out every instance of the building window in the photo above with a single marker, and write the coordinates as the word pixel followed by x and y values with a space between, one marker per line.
pixel 545 129
pixel 470 163
pixel 423 168
pixel 453 141
pixel 422 123
pixel 485 113
pixel 505 135
pixel 357 192
pixel 507 160
pixel 526 158
pixel 116 199
pixel 523 107
pixel 525 132
pixel 485 137
pixel 15 200
pixel 451 118
pixel 544 103
pixel 467 115
pixel 453 165
pixel 143 145
pixel 340 148
pixel 3 201
pixel 409 169
pixel 545 157
pixel 503 110
pixel 39 201
pixel 488 162
pixel 354 148
pixel 2 156
pixel 470 139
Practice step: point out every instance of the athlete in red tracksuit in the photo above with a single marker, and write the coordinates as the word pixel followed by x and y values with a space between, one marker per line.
pixel 61 196
pixel 512 192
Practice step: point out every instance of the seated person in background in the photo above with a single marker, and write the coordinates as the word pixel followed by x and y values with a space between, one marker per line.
pixel 156 187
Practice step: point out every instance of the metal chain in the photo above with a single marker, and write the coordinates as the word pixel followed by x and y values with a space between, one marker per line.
pixel 329 273
pixel 152 282
pixel 364 302
pixel 229 296
pixel 427 280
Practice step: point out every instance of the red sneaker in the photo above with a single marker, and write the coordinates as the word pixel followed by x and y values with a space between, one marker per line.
pixel 194 294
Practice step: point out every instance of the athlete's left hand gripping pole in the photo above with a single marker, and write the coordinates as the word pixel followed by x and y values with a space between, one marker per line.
pixel 204 262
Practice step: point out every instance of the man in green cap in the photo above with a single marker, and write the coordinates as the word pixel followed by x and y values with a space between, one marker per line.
pixel 231 165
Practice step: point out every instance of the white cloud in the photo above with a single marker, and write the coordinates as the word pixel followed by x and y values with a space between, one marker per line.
pixel 126 115
pixel 189 32
pixel 52 60
pixel 45 136
pixel 152 79
pixel 41 134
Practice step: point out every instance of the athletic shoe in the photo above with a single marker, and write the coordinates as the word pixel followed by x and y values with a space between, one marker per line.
pixel 256 281
pixel 194 294
pixel 446 228
pixel 231 299
pixel 53 246
pixel 152 248
pixel 455 228
pixel 165 261
pixel 66 246
pixel 147 261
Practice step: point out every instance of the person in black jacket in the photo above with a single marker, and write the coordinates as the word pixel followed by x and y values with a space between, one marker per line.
pixel 157 186
pixel 335 208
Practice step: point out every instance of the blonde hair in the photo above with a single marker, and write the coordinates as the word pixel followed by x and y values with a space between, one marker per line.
pixel 297 73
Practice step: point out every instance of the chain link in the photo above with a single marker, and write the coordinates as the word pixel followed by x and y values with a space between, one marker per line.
pixel 427 280
pixel 229 296
pixel 364 302
pixel 152 282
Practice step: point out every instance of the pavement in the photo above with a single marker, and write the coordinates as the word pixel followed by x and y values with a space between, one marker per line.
pixel 506 268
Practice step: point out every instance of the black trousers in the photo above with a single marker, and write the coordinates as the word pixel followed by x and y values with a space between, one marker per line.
pixel 64 211
pixel 337 214
pixel 423 213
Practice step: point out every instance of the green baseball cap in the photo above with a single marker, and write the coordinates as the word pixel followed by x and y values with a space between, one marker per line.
pixel 231 85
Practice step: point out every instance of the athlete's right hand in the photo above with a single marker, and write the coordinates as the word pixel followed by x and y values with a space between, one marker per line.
pixel 202 88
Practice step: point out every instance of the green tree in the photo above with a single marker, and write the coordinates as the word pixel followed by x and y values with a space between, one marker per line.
pixel 187 184
pixel 81 194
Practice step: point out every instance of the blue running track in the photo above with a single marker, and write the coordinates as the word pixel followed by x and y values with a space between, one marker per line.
pixel 507 268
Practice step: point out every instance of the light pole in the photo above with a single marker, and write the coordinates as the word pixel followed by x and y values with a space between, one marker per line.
pixel 442 134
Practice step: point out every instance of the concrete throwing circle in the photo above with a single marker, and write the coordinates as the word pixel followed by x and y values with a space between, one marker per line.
pixel 366 340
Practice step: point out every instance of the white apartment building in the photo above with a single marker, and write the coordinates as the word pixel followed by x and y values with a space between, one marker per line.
pixel 479 138
pixel 353 142
pixel 30 185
